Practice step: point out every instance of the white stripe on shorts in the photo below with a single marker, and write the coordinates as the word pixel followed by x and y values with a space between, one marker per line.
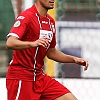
pixel 18 92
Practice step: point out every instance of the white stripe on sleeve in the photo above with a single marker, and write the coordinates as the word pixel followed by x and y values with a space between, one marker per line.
pixel 12 34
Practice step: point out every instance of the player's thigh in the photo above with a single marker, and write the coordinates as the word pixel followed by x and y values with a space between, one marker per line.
pixel 68 96
pixel 53 89
pixel 12 88
pixel 21 90
pixel 27 91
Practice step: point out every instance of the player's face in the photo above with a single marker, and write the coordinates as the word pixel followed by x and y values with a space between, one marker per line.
pixel 48 4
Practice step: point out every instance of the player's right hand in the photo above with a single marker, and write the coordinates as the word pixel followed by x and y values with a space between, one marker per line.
pixel 44 42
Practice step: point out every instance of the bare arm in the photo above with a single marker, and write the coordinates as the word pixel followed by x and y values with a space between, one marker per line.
pixel 16 44
pixel 58 56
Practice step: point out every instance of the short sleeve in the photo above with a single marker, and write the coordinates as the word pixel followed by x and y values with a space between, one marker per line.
pixel 20 26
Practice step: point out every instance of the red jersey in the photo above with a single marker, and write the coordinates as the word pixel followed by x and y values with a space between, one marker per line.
pixel 29 26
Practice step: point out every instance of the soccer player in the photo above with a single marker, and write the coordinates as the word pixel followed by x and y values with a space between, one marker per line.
pixel 32 37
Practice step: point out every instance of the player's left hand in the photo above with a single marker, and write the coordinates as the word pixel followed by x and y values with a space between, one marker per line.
pixel 82 62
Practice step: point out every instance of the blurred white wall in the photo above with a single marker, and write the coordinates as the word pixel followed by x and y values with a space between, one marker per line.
pixel 3 91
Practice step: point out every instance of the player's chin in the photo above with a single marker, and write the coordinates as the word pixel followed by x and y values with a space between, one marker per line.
pixel 50 7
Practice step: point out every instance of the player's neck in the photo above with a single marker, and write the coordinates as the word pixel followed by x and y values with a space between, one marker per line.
pixel 42 11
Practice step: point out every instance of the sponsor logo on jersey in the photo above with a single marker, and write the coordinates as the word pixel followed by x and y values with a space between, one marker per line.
pixel 45 33
pixel 17 24
pixel 44 22
pixel 21 17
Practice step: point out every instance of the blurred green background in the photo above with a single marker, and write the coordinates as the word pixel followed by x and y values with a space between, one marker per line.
pixel 7 17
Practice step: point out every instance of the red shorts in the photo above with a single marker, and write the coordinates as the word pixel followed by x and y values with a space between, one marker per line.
pixel 43 89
